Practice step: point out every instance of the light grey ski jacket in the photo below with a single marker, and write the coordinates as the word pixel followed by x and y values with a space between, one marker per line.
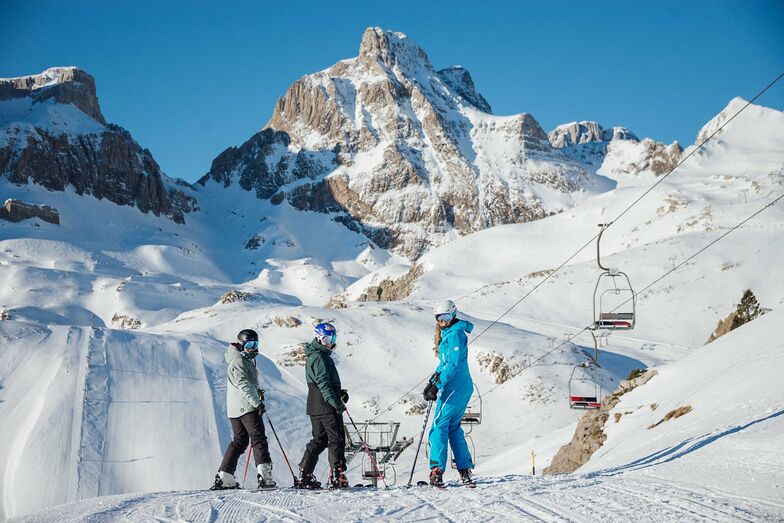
pixel 242 384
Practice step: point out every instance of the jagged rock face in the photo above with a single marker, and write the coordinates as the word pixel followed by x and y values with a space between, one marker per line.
pixel 74 147
pixel 66 85
pixel 460 81
pixel 614 151
pixel 17 210
pixel 401 152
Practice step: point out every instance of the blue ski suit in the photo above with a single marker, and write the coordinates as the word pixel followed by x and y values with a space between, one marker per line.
pixel 456 387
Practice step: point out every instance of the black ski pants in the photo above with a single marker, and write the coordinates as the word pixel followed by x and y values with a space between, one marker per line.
pixel 328 432
pixel 247 425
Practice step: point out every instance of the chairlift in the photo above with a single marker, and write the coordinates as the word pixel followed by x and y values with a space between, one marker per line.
pixel 614 299
pixel 584 389
pixel 382 443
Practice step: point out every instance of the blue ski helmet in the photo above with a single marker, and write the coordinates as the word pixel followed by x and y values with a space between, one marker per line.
pixel 326 334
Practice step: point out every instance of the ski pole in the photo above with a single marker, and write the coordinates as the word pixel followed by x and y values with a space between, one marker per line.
pixel 247 462
pixel 281 448
pixel 367 449
pixel 419 445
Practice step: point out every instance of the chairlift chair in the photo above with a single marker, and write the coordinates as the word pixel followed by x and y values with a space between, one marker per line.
pixel 584 391
pixel 614 299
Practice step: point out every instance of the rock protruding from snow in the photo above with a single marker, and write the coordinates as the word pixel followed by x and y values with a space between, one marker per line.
pixel 402 153
pixel 17 210
pixel 747 310
pixel 66 85
pixel 589 435
pixel 52 133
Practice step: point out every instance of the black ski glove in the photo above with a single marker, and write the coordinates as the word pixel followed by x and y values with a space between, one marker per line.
pixel 344 395
pixel 431 391
pixel 261 394
pixel 261 409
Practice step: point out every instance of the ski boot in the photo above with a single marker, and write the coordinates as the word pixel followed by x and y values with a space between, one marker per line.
pixel 264 475
pixel 339 479
pixel 466 478
pixel 307 481
pixel 224 481
pixel 436 477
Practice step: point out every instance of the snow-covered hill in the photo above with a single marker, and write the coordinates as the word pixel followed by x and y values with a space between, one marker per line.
pixel 111 369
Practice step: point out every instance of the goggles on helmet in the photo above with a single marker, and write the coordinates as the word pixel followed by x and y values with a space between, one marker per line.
pixel 328 339
pixel 447 317
pixel 251 346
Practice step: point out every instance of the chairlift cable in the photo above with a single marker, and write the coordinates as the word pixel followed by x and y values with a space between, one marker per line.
pixel 681 264
pixel 578 251
pixel 635 202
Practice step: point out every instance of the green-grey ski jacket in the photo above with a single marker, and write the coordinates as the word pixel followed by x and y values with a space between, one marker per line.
pixel 242 387
pixel 322 378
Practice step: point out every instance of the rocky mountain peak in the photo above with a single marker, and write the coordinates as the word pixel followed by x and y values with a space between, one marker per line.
pixel 577 133
pixel 67 85
pixel 459 80
pixel 390 49
pixel 400 152
pixel 67 143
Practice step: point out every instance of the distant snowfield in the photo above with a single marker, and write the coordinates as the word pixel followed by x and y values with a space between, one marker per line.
pixel 115 419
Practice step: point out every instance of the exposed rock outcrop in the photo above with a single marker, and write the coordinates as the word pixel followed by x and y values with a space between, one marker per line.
pixel 122 321
pixel 577 133
pixel 589 435
pixel 393 290
pixel 234 296
pixel 17 210
pixel 66 85
pixel 400 152
pixel 75 147
pixel 748 309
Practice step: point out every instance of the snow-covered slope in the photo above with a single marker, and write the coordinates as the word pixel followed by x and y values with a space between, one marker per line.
pixel 730 438
pixel 111 370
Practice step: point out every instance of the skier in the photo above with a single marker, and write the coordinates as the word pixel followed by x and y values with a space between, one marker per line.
pixel 326 403
pixel 451 384
pixel 245 406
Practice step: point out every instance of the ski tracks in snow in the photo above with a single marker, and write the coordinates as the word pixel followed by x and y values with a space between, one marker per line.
pixel 510 498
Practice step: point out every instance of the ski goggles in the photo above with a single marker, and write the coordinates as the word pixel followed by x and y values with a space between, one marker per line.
pixel 251 346
pixel 328 340
pixel 447 317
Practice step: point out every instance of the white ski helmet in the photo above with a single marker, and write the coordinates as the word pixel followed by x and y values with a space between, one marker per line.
pixel 445 307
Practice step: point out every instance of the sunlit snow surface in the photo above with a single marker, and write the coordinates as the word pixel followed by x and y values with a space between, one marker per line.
pixel 90 410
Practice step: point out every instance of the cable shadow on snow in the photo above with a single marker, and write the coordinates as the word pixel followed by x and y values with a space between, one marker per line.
pixel 681 449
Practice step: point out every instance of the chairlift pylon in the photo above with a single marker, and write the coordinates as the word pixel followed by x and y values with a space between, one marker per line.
pixel 614 300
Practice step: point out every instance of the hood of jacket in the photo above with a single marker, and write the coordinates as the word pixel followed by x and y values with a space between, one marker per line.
pixel 459 325
pixel 316 346
pixel 232 352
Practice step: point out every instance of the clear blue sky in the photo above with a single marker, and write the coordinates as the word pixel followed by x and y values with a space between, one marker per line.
pixel 190 78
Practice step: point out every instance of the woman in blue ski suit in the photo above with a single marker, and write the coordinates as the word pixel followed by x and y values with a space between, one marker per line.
pixel 452 385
